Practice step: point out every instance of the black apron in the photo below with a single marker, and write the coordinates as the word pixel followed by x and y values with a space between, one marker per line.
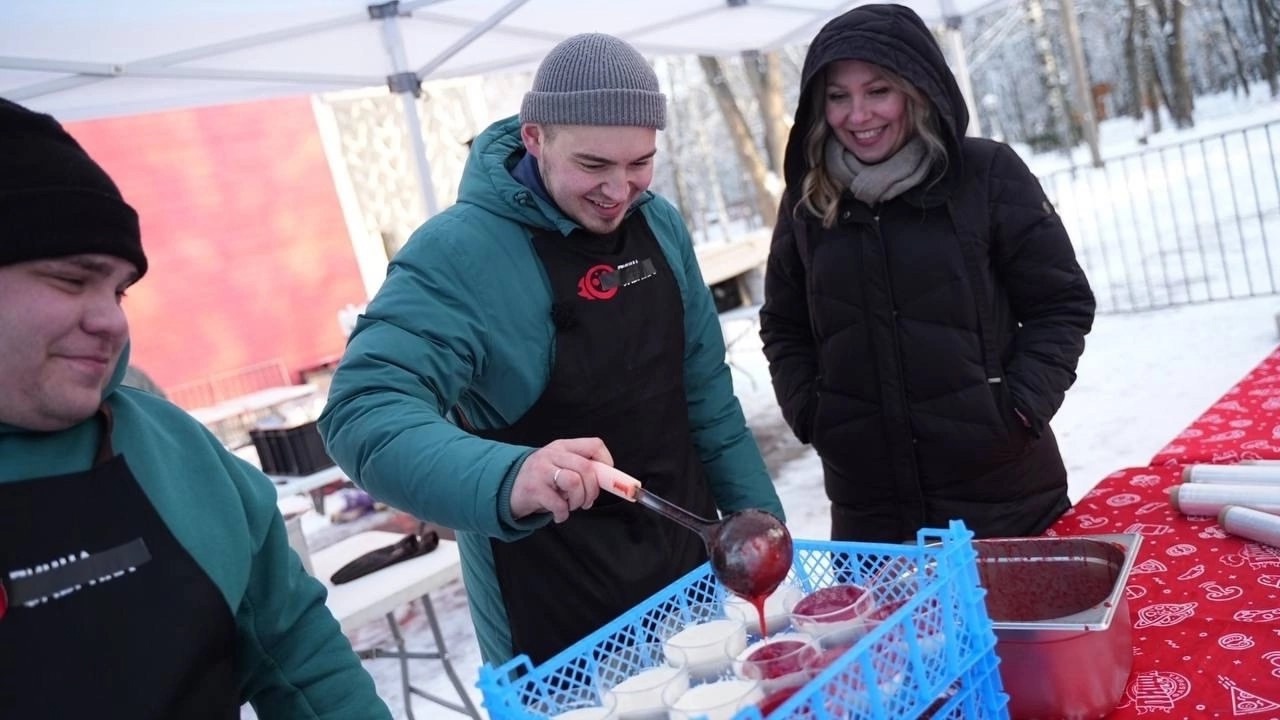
pixel 107 615
pixel 618 375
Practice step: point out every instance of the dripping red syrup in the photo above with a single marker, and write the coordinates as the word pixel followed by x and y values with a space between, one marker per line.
pixel 751 554
pixel 758 602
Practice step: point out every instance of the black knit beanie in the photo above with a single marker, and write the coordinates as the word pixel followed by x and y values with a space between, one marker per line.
pixel 55 200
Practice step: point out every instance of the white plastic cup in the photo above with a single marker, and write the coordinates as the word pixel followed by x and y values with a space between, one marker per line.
pixel 719 700
pixel 707 648
pixel 646 675
pixel 586 709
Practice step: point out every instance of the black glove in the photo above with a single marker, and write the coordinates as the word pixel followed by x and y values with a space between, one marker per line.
pixel 420 543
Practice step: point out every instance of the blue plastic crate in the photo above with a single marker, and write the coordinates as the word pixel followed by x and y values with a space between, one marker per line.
pixel 933 656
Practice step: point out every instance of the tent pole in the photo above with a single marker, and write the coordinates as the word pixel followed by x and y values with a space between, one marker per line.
pixel 405 83
pixel 421 163
pixel 463 42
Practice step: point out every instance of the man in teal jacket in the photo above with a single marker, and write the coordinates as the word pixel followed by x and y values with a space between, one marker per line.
pixel 144 570
pixel 553 318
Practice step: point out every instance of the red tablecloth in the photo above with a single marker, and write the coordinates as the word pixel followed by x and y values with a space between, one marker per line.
pixel 1244 424
pixel 1205 605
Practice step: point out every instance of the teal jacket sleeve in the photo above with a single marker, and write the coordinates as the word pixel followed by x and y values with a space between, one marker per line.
pixel 419 344
pixel 292 659
pixel 725 445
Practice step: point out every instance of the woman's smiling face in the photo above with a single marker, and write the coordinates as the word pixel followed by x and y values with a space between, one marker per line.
pixel 867 113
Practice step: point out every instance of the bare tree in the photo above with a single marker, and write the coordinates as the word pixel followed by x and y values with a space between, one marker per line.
pixel 1233 42
pixel 672 151
pixel 1050 74
pixel 1133 68
pixel 712 193
pixel 744 144
pixel 1181 104
pixel 1268 21
pixel 1152 90
pixel 1134 64
pixel 764 73
pixel 1083 85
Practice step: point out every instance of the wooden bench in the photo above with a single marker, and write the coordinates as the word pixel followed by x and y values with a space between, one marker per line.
pixel 725 261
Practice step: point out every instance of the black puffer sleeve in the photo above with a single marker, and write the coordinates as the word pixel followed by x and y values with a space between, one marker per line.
pixel 785 329
pixel 1048 292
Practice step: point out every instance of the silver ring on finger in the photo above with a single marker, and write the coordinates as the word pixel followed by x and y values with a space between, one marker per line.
pixel 555 479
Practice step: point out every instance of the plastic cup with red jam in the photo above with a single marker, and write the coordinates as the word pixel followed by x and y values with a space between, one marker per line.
pixel 779 661
pixel 837 615
pixel 851 676
pixel 927 619
pixel 774 700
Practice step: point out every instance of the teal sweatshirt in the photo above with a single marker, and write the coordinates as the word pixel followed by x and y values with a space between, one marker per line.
pixel 464 321
pixel 292 660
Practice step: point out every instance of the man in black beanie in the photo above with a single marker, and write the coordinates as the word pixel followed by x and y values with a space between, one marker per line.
pixel 144 569
pixel 553 319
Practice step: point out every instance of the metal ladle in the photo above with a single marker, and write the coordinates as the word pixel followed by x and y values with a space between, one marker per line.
pixel 750 550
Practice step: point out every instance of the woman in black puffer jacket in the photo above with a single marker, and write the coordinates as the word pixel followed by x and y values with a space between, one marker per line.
pixel 924 310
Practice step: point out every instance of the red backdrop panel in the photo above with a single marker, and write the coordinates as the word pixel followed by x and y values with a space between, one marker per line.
pixel 250 257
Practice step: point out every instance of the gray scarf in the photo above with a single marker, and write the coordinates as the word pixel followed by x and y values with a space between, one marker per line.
pixel 886 180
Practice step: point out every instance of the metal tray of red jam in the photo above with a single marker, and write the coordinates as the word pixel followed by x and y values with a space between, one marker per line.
pixel 1061 620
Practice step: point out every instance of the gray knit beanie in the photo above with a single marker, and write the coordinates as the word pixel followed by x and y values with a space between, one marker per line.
pixel 595 79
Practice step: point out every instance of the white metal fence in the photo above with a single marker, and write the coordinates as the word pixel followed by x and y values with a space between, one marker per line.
pixel 1186 223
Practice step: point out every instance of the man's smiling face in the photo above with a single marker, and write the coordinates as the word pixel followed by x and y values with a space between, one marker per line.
pixel 593 172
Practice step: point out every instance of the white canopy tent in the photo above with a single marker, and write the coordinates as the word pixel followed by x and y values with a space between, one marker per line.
pixel 82 59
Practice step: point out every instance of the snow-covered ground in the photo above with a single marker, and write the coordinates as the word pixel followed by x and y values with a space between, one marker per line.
pixel 1143 377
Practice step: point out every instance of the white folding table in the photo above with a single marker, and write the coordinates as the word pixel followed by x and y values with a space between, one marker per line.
pixel 231 419
pixel 312 485
pixel 381 592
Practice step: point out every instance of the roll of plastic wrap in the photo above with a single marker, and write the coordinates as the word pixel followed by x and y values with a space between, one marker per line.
pixel 1232 474
pixel 1251 524
pixel 1209 499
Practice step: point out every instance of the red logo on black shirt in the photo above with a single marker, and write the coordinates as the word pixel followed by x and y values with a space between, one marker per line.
pixel 600 283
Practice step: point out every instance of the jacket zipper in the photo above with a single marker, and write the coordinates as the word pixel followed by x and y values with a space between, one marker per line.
pixel 897 357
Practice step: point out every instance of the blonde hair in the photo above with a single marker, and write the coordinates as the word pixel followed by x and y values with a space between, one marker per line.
pixel 819 193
